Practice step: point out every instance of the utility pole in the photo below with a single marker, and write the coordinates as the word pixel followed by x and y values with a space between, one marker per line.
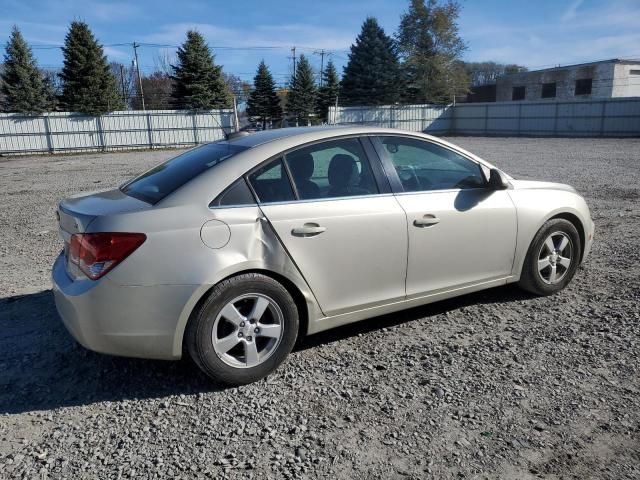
pixel 322 53
pixel 135 53
pixel 235 113
pixel 124 93
pixel 293 51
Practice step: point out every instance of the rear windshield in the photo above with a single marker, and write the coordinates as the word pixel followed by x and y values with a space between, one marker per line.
pixel 167 177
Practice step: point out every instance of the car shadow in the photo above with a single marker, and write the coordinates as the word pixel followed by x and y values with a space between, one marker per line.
pixel 505 294
pixel 43 368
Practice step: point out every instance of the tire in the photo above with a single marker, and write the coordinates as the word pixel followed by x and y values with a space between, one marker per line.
pixel 216 326
pixel 546 271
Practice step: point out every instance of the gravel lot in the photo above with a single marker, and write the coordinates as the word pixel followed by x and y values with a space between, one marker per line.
pixel 496 384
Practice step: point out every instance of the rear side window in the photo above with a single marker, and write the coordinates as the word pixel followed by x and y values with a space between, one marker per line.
pixel 271 183
pixel 236 195
pixel 164 179
pixel 337 168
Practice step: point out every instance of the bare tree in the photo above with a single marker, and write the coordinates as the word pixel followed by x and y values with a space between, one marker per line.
pixel 157 92
pixel 126 81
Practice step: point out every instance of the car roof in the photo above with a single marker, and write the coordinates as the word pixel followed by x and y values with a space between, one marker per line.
pixel 321 132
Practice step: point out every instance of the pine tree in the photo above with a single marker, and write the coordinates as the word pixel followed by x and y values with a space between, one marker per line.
pixel 198 81
pixel 24 87
pixel 301 101
pixel 372 75
pixel 431 47
pixel 263 103
pixel 88 86
pixel 328 93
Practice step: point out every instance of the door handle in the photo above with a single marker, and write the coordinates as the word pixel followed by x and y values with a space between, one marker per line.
pixel 308 230
pixel 426 221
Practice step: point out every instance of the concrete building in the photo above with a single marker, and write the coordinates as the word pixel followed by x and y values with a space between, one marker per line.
pixel 605 79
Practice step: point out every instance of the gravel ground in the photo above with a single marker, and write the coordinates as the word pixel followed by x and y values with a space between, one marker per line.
pixel 496 384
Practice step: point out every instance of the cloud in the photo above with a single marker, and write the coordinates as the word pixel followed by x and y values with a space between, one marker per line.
pixel 284 35
pixel 571 11
pixel 116 53
pixel 594 32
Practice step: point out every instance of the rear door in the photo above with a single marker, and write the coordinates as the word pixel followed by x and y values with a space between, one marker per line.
pixel 460 232
pixel 334 212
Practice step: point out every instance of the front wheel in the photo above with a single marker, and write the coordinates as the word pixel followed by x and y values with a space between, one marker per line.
pixel 552 259
pixel 244 330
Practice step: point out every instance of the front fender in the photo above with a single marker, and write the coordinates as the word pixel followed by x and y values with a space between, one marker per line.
pixel 536 206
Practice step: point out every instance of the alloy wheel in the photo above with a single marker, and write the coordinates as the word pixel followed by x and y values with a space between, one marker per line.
pixel 248 330
pixel 555 257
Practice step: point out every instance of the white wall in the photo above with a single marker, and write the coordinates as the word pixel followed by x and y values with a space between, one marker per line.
pixel 627 80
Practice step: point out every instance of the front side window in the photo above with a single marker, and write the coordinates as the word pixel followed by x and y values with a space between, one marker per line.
pixel 337 168
pixel 424 166
pixel 271 183
pixel 167 177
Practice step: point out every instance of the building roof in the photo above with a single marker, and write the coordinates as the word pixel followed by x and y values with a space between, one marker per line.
pixel 575 65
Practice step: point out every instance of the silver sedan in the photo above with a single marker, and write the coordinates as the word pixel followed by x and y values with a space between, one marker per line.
pixel 232 250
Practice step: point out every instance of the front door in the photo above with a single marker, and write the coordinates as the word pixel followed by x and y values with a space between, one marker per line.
pixel 347 237
pixel 460 232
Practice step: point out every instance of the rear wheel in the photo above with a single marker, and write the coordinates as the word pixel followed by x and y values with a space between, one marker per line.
pixel 244 330
pixel 552 259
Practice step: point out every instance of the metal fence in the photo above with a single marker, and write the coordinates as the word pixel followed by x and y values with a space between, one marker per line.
pixel 67 132
pixel 617 117
pixel 422 118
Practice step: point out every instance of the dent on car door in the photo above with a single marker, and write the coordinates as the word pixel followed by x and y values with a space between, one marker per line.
pixel 460 232
pixel 346 235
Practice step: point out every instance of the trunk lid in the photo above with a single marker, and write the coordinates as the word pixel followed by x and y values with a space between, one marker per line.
pixel 76 213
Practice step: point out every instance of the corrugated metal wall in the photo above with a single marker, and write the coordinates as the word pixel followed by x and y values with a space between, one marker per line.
pixel 423 118
pixel 616 117
pixel 67 132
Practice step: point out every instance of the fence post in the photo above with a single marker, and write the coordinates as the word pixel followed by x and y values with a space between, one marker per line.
pixel 519 116
pixel 453 124
pixel 486 119
pixel 555 121
pixel 602 117
pixel 195 127
pixel 47 132
pixel 149 130
pixel 100 132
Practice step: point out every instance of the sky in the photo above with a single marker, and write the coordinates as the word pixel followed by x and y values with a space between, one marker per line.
pixel 536 34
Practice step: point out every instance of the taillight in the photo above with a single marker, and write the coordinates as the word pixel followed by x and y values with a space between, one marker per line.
pixel 97 253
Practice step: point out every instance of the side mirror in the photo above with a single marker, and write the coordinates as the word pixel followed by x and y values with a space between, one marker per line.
pixel 497 181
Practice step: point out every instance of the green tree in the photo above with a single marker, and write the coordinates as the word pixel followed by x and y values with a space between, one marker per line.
pixel 430 47
pixel 328 92
pixel 25 89
pixel 198 81
pixel 88 86
pixel 301 100
pixel 263 103
pixel 372 75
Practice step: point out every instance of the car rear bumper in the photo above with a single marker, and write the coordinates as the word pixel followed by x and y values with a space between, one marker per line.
pixel 130 321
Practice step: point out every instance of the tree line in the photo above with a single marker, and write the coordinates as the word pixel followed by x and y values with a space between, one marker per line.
pixel 420 63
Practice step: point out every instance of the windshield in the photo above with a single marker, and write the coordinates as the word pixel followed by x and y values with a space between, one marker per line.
pixel 167 177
